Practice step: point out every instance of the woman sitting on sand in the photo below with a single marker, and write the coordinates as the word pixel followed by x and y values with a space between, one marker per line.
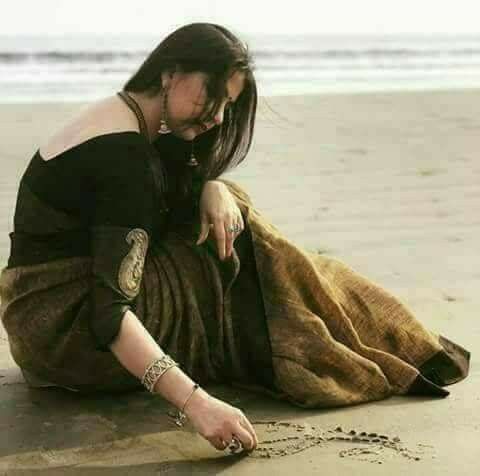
pixel 133 264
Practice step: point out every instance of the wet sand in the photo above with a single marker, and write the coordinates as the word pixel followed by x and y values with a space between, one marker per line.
pixel 388 182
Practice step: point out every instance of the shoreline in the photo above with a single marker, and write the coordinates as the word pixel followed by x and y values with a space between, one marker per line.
pixel 333 92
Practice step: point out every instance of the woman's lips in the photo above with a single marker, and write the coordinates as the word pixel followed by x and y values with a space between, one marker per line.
pixel 201 128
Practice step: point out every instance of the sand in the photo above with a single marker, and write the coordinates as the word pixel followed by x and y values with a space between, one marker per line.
pixel 388 182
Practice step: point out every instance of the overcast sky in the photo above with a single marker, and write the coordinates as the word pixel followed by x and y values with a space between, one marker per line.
pixel 248 16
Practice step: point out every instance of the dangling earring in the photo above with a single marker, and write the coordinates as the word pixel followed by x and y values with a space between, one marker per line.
pixel 193 161
pixel 164 129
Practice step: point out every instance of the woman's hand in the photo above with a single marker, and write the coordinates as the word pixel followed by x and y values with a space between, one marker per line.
pixel 219 210
pixel 218 422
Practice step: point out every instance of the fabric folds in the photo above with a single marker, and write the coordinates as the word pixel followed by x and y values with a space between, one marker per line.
pixel 333 336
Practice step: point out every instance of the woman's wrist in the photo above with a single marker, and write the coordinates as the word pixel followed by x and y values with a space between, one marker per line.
pixel 196 402
pixel 176 386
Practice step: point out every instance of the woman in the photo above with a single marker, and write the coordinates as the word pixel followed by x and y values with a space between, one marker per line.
pixel 131 263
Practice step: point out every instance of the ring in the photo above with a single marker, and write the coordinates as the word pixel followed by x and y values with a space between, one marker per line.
pixel 235 445
pixel 234 229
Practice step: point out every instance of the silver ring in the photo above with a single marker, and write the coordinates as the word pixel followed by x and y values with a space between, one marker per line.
pixel 235 445
pixel 234 229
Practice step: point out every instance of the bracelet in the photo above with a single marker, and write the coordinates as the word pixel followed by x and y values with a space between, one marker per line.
pixel 180 417
pixel 155 370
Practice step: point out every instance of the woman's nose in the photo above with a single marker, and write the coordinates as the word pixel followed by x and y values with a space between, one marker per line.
pixel 218 118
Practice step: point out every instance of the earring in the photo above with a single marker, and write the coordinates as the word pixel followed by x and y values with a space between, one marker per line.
pixel 164 129
pixel 193 161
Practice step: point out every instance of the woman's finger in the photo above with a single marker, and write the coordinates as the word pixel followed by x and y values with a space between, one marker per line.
pixel 204 231
pixel 230 239
pixel 238 226
pixel 246 423
pixel 218 443
pixel 245 437
pixel 219 229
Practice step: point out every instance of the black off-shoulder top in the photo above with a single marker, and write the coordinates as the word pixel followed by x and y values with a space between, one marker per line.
pixel 96 199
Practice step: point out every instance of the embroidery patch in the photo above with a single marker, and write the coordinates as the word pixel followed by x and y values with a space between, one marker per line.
pixel 131 268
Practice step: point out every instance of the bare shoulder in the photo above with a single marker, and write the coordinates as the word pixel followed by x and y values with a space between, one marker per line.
pixel 104 116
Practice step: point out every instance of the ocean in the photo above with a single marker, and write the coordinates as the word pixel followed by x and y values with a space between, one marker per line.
pixel 83 68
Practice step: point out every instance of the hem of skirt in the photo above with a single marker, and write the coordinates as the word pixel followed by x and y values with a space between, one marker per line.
pixel 423 386
pixel 35 381
pixel 446 367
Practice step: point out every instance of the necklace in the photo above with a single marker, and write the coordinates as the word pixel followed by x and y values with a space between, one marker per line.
pixel 133 105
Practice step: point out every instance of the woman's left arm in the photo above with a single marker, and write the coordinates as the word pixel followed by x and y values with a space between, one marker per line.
pixel 218 209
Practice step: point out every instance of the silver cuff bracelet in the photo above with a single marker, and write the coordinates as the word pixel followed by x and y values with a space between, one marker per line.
pixel 155 370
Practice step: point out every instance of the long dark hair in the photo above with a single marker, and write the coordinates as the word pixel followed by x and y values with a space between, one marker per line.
pixel 214 50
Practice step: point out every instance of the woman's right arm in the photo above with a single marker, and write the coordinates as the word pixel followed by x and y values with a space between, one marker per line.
pixel 214 419
pixel 121 229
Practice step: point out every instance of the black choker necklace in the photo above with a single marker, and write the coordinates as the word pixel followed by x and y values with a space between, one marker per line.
pixel 133 105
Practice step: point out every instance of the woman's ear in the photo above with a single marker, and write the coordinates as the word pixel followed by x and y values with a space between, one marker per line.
pixel 168 76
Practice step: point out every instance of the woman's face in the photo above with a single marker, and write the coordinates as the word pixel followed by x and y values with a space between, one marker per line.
pixel 187 98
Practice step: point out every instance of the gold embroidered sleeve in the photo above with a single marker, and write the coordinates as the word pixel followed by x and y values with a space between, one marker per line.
pixel 118 269
pixel 131 268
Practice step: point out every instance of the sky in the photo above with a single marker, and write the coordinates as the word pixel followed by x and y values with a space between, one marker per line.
pixel 58 17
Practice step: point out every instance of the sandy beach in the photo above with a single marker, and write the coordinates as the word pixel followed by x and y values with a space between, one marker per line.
pixel 387 182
